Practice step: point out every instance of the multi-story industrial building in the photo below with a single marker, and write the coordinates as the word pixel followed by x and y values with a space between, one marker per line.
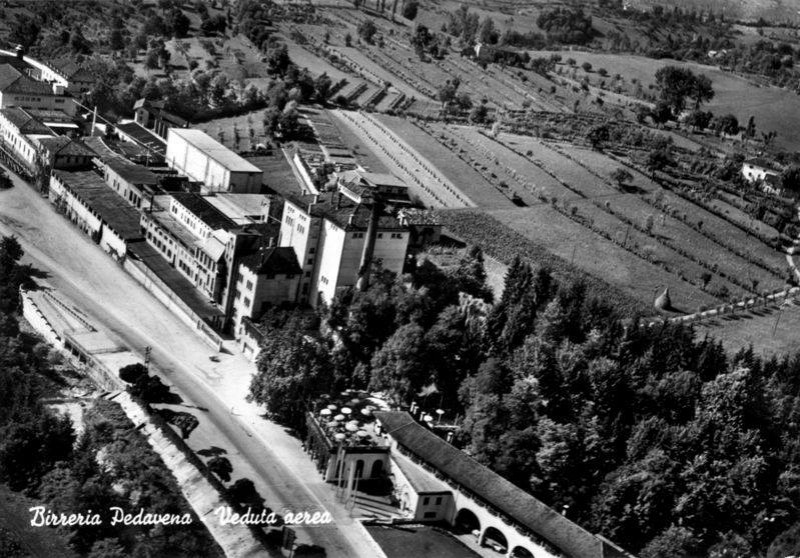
pixel 336 240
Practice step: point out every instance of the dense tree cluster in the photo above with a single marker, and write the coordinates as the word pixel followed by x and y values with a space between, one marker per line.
pixel 566 25
pixel 110 464
pixel 650 436
pixel 678 84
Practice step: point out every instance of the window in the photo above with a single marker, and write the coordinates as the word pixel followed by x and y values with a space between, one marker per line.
pixel 310 261
pixel 438 500
pixel 380 235
pixel 246 301
pixel 289 221
pixel 425 500
pixel 308 274
pixel 312 250
pixel 301 229
pixel 429 515
pixel 358 235
pixel 249 286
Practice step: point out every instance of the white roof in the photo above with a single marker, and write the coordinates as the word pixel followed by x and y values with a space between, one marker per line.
pixel 214 149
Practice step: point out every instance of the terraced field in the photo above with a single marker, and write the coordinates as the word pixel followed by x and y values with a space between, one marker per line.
pixel 596 255
pixel 466 179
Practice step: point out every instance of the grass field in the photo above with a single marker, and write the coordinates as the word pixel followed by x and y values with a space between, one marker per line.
pixel 417 540
pixel 773 108
pixel 771 331
pixel 599 257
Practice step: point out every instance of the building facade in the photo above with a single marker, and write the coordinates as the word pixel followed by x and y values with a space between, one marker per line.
pixel 330 236
pixel 195 154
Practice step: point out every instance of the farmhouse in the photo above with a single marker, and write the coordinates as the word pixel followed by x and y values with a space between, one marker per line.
pixel 201 158
pixel 757 169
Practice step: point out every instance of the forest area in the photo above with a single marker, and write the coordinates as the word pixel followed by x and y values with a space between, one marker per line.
pixel 645 435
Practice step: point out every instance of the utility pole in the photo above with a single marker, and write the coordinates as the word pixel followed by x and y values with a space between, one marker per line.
pixel 147 351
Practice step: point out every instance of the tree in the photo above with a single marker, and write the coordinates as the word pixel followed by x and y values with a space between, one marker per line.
pixel 221 467
pixel 116 40
pixel 657 159
pixel 726 124
pixel 132 373
pixel 410 9
pixel 366 30
pixel 479 114
pixel 701 90
pixel 293 369
pixel 621 176
pixel 750 131
pixel 790 178
pixel 598 135
pixel 322 88
pixel 672 543
pixel 699 120
pixel 487 33
pixel 278 61
pixel 676 84
pixel 586 66
pixel 661 113
pixel 400 366
pixel 179 23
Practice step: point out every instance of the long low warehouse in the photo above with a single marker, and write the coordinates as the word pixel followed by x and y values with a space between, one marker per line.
pixel 203 159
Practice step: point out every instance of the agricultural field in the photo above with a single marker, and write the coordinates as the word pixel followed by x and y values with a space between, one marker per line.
pixel 466 178
pixel 659 238
pixel 773 108
pixel 770 331
pixel 600 257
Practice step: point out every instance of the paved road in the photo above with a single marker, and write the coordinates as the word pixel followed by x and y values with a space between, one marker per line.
pixel 214 392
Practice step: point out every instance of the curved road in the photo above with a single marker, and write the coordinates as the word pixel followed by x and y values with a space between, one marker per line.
pixel 215 392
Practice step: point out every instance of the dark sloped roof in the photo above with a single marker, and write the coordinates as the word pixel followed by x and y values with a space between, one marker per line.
pixel 275 261
pixel 110 206
pixel 14 81
pixel 24 122
pixel 762 162
pixel 133 173
pixel 490 487
pixel 143 136
pixel 62 145
pixel 204 211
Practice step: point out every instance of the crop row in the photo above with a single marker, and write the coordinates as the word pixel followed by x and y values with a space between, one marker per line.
pixel 694 226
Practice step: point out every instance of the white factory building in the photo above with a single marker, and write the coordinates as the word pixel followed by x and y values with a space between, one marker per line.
pixel 331 236
pixel 203 159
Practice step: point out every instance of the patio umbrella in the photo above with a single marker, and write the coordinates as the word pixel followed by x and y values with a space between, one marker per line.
pixel 339 418
pixel 350 427
pixel 366 412
pixel 332 407
pixel 347 410
pixel 362 434
pixel 339 437
pixel 325 412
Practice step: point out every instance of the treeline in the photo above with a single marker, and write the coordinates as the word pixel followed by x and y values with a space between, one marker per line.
pixel 650 436
pixel 109 464
pixel 560 26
